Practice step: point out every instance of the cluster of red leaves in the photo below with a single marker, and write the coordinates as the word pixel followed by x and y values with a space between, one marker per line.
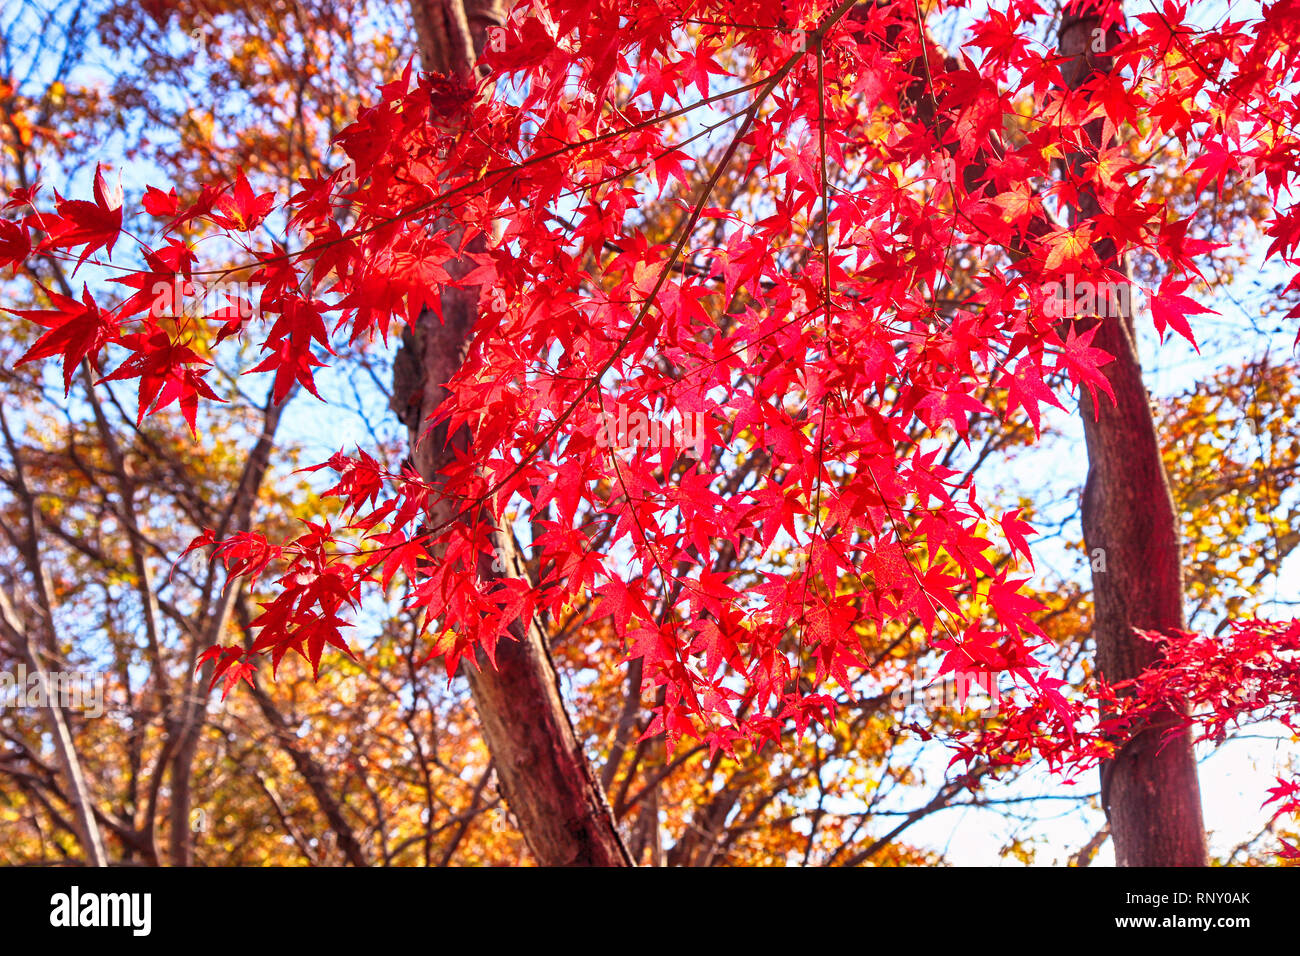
pixel 1213 683
pixel 1249 673
pixel 822 365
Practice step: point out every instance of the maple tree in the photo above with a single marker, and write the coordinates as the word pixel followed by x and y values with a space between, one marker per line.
pixel 380 765
pixel 534 222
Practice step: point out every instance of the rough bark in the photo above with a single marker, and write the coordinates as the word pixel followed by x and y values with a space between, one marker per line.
pixel 543 774
pixel 1150 791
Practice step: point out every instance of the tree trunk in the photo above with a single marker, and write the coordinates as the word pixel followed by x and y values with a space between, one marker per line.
pixel 1149 792
pixel 544 776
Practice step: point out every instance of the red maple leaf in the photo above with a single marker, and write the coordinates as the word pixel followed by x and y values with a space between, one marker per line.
pixel 230 667
pixel 241 210
pixel 78 330
pixel 95 225
pixel 1169 309
pixel 165 377
pixel 15 242
pixel 291 362
pixel 1025 389
pixel 1082 363
pixel 159 203
pixel 949 405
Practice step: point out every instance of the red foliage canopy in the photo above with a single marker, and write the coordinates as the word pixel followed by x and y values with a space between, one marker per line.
pixel 807 329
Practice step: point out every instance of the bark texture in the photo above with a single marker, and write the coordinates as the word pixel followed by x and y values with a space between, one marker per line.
pixel 543 774
pixel 1150 791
